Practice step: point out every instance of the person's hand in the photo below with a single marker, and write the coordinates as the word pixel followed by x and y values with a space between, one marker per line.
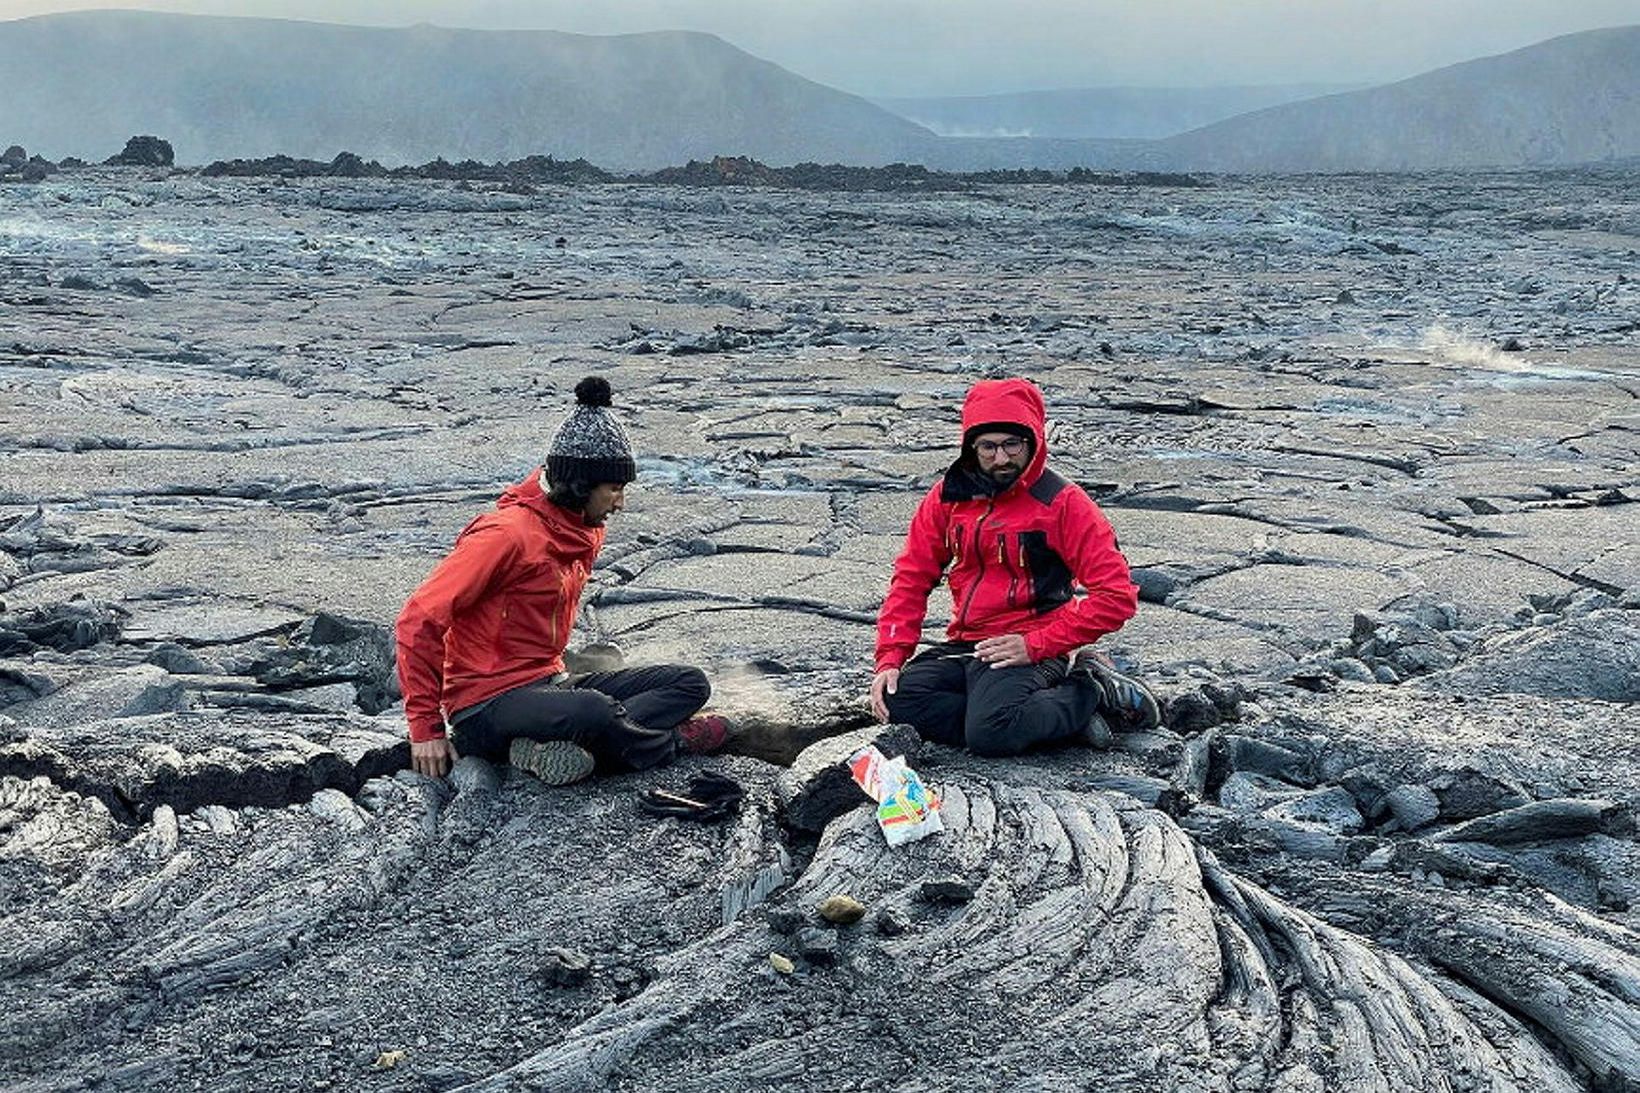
pixel 886 681
pixel 1007 651
pixel 432 757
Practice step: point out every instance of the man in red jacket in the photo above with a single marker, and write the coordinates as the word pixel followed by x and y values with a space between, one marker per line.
pixel 1035 574
pixel 481 642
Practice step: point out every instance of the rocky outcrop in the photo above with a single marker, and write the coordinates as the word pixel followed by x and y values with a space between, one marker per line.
pixel 16 165
pixel 1092 936
pixel 144 151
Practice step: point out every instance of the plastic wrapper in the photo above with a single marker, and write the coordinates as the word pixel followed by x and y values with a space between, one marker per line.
pixel 907 810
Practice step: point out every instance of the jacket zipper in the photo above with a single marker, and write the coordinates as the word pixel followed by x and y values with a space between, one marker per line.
pixel 979 553
pixel 1025 573
pixel 1013 575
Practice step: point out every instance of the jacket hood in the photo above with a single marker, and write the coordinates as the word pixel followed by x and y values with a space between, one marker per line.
pixel 1010 402
pixel 529 494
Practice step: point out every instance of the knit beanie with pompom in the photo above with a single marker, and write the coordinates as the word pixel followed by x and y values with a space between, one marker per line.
pixel 591 446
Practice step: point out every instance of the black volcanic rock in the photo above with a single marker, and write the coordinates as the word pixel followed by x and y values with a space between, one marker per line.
pixel 215 872
pixel 143 151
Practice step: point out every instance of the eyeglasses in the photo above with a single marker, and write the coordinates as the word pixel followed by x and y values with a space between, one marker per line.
pixel 1012 446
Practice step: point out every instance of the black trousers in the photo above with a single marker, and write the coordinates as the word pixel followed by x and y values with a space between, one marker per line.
pixel 627 719
pixel 964 702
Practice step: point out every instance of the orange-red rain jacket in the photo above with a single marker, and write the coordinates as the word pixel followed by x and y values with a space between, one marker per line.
pixel 497 612
pixel 1037 559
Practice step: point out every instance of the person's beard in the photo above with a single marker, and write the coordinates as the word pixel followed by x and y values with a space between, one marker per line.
pixel 1004 474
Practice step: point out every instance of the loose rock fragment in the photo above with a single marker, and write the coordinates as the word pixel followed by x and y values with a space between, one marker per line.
pixel 817 945
pixel 842 909
pixel 1414 806
pixel 892 922
pixel 781 964
pixel 946 890
pixel 565 967
pixel 387 1060
pixel 1561 818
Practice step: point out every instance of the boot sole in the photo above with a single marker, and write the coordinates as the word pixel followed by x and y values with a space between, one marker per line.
pixel 554 762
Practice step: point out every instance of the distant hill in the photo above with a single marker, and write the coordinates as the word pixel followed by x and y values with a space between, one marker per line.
pixel 1570 100
pixel 80 83
pixel 1111 112
pixel 222 88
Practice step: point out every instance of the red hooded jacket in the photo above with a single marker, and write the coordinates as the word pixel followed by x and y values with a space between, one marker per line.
pixel 1037 558
pixel 497 611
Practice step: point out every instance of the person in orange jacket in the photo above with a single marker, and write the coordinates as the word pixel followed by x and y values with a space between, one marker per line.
pixel 481 641
pixel 1035 575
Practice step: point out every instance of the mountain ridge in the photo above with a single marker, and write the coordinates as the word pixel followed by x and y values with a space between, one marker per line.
pixel 1116 112
pixel 1487 112
pixel 222 88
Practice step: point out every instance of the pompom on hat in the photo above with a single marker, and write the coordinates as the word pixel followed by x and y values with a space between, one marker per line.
pixel 591 446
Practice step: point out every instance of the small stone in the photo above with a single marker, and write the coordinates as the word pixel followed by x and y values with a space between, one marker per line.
pixel 891 922
pixel 1351 669
pixel 842 909
pixel 1378 860
pixel 946 890
pixel 817 945
pixel 785 920
pixel 1191 712
pixel 387 1060
pixel 1414 806
pixel 781 964
pixel 565 967
pixel 1155 585
pixel 1329 809
pixel 178 660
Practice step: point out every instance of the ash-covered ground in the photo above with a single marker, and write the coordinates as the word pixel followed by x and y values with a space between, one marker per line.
pixel 1370 443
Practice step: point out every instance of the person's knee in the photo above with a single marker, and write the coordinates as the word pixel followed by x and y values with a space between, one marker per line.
pixel 993 742
pixel 590 713
pixel 995 733
pixel 906 708
pixel 693 685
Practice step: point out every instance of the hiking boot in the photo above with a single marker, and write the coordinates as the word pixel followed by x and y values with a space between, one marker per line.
pixel 555 762
pixel 704 734
pixel 1096 734
pixel 1124 702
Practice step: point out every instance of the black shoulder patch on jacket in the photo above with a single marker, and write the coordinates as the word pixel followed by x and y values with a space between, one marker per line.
pixel 1046 488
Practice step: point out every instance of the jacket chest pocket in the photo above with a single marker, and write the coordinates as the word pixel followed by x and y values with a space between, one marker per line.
pixel 1010 555
pixel 1047 579
pixel 530 622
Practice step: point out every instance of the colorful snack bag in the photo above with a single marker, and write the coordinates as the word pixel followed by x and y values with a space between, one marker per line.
pixel 907 810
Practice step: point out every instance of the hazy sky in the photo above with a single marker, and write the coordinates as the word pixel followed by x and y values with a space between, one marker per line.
pixel 955 47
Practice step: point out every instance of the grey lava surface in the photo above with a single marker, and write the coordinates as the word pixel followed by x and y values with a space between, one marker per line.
pixel 1369 442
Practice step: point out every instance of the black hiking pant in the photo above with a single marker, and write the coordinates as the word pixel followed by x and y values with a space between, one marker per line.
pixel 964 702
pixel 627 718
